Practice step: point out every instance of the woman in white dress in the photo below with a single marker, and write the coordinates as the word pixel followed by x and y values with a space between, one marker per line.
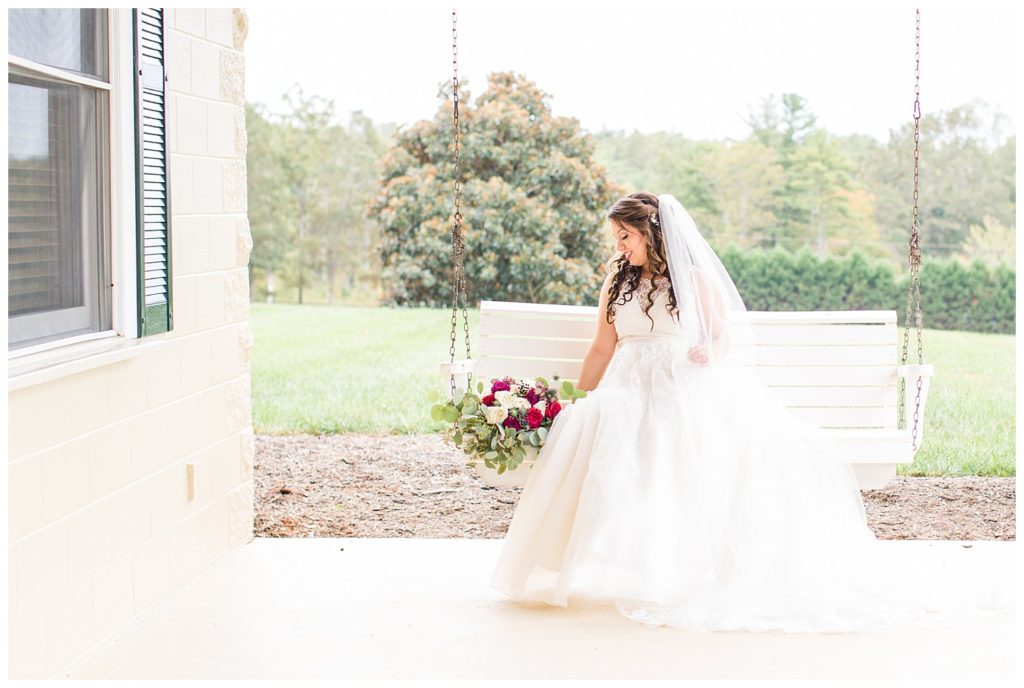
pixel 683 492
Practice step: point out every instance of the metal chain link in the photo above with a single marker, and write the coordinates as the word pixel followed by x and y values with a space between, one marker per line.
pixel 458 245
pixel 914 288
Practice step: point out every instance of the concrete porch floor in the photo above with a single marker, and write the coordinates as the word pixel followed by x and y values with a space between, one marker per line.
pixel 422 608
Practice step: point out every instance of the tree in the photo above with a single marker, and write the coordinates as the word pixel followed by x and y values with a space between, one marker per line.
pixel 743 177
pixel 783 125
pixel 270 214
pixel 817 175
pixel 991 242
pixel 533 202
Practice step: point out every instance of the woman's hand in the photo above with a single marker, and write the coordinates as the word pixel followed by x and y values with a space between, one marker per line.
pixel 698 354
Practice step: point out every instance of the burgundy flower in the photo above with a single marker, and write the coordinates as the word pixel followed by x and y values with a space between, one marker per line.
pixel 552 409
pixel 500 385
pixel 534 417
pixel 511 422
pixel 488 400
pixel 532 397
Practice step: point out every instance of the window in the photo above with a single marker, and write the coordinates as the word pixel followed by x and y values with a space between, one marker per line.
pixel 58 175
pixel 88 213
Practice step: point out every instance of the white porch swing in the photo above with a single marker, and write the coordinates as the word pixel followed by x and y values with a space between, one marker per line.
pixel 837 369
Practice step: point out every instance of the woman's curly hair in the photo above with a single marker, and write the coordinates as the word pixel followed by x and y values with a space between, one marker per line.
pixel 637 210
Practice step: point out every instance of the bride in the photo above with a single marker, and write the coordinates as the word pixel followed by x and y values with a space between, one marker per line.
pixel 682 491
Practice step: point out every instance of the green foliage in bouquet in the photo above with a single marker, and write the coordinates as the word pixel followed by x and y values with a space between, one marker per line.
pixel 500 447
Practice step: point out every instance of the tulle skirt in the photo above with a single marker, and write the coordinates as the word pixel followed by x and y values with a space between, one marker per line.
pixel 684 496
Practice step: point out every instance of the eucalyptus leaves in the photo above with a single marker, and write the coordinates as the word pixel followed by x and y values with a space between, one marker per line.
pixel 498 427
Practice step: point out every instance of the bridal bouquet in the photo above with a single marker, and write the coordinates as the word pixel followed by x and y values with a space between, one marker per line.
pixel 501 426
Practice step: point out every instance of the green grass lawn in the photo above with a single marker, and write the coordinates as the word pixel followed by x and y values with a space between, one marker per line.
pixel 320 369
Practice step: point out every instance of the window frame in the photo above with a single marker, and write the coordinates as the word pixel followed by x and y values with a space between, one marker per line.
pixel 121 219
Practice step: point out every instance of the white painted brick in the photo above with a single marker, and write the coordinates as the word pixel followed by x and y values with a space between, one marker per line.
pixel 234 184
pixel 208 185
pixel 191 246
pixel 112 592
pixel 183 295
pixel 128 395
pixel 65 470
pixel 35 421
pixel 197 361
pixel 12 583
pixel 220 24
pixel 149 440
pixel 163 373
pixel 239 401
pixel 193 127
pixel 191 21
pixel 110 459
pixel 215 530
pixel 221 129
pixel 131 519
pixel 42 567
pixel 240 509
pixel 214 422
pixel 185 541
pixel 181 184
pixel 151 572
pixel 27 647
pixel 179 62
pixel 24 497
pixel 90 540
pixel 70 628
pixel 210 301
pixel 229 464
pixel 225 355
pixel 243 243
pixel 168 496
pixel 205 70
pixel 86 398
pixel 184 419
pixel 223 242
pixel 226 465
pixel 248 452
pixel 206 478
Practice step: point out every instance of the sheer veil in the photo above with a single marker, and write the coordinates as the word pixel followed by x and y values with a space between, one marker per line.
pixel 701 282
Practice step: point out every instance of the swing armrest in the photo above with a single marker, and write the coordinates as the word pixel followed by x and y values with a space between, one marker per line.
pixel 458 366
pixel 915 370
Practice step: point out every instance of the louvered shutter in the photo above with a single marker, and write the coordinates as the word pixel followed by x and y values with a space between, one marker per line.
pixel 152 190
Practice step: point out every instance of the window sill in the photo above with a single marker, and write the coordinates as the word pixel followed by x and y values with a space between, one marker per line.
pixel 45 366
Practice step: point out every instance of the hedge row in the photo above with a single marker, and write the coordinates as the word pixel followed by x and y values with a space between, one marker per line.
pixel 953 296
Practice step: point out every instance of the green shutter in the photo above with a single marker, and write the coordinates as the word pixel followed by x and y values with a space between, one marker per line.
pixel 153 222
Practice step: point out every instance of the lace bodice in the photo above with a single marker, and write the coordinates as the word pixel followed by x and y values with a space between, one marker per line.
pixel 630 319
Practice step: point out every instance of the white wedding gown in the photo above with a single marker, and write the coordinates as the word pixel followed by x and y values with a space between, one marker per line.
pixel 685 500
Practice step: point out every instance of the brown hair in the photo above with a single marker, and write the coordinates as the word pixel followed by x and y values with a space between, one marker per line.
pixel 637 210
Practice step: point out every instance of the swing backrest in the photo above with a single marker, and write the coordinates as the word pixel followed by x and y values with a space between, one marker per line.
pixel 836 369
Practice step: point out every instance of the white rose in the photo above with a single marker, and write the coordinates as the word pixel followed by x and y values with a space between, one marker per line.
pixel 541 404
pixel 520 402
pixel 504 397
pixel 495 414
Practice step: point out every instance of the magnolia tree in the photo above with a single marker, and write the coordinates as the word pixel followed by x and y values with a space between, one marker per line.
pixel 533 203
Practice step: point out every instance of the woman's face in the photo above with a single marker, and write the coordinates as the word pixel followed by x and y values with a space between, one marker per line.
pixel 630 242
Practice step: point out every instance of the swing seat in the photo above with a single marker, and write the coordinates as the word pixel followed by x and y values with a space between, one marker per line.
pixel 837 369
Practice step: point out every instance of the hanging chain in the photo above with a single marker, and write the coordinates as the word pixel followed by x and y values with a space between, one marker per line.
pixel 458 245
pixel 914 288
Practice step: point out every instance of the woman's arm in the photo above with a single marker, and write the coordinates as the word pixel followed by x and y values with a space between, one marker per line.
pixel 602 348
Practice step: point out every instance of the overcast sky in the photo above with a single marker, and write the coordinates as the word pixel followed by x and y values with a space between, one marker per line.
pixel 693 68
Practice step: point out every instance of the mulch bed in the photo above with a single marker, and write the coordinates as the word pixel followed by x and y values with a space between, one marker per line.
pixel 357 485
